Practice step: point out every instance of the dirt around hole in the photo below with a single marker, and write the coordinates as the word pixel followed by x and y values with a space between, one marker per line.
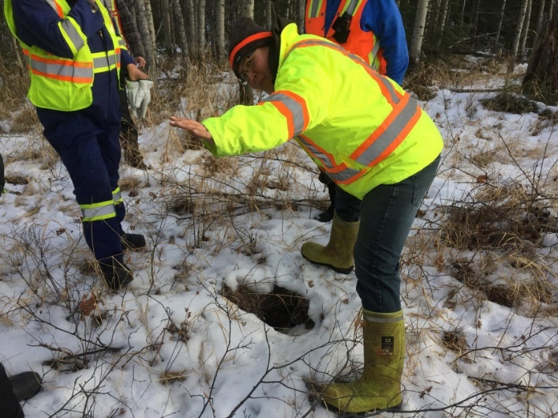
pixel 281 309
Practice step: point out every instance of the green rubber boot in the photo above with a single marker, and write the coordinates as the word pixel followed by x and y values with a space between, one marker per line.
pixel 338 253
pixel 384 354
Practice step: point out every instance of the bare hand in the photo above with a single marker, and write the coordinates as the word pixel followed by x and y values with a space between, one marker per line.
pixel 141 62
pixel 134 73
pixel 193 127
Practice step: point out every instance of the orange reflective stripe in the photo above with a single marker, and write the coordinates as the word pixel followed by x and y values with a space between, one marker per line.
pixel 318 152
pixel 71 78
pixel 63 70
pixel 293 107
pixel 387 137
pixel 68 63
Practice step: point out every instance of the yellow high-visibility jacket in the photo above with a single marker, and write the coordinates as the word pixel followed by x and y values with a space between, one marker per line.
pixel 64 84
pixel 361 129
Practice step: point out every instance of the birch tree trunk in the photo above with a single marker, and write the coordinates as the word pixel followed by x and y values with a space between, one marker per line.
pixel 267 13
pixel 540 20
pixel 418 32
pixel 200 27
pixel 519 28
pixel 247 8
pixel 166 21
pixel 551 8
pixel 180 27
pixel 145 33
pixel 190 20
pixel 301 11
pixel 500 20
pixel 220 29
pixel 541 77
pixel 442 22
pixel 525 33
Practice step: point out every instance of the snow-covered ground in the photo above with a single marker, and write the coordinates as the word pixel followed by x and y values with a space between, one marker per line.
pixel 172 345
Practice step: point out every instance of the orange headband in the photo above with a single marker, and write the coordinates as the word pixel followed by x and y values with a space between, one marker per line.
pixel 252 38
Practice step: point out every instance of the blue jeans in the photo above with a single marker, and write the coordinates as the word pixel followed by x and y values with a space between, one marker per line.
pixel 388 212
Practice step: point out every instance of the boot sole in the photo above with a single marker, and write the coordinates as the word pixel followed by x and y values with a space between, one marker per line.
pixel 341 414
pixel 342 270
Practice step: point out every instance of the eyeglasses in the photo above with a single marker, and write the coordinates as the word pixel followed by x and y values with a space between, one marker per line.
pixel 246 68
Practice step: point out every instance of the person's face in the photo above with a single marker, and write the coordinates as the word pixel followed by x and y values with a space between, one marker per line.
pixel 254 69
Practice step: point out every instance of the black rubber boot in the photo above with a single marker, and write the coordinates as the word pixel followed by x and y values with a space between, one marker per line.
pixel 133 242
pixel 116 273
pixel 26 385
pixel 327 216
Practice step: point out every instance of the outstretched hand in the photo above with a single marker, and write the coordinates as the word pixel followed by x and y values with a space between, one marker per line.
pixel 193 127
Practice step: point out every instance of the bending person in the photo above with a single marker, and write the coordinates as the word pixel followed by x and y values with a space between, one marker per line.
pixel 371 138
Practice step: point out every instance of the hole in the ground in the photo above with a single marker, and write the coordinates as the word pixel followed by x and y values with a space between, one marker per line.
pixel 280 309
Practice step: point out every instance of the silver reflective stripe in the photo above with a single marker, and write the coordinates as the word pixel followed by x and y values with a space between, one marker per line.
pixel 294 107
pixel 390 134
pixel 106 62
pixel 116 196
pixel 316 153
pixel 72 32
pixel 352 7
pixel 389 87
pixel 97 212
pixel 341 176
pixel 60 70
pixel 375 64
pixel 383 320
pixel 315 9
pixel 53 4
pixel 344 175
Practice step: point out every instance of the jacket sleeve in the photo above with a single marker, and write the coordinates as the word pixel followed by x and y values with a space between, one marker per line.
pixel 300 102
pixel 383 18
pixel 129 28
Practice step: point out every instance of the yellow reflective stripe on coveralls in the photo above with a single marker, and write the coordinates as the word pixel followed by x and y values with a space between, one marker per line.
pixel 117 196
pixel 106 61
pixel 72 34
pixel 98 211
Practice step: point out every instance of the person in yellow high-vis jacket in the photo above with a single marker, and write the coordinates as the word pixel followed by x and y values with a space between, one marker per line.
pixel 74 57
pixel 371 138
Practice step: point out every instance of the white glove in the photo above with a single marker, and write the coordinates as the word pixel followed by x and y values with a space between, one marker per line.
pixel 132 88
pixel 139 96
pixel 143 97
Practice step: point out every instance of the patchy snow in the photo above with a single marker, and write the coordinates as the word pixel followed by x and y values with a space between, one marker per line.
pixel 173 345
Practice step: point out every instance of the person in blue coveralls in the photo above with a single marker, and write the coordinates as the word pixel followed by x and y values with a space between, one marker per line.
pixel 74 57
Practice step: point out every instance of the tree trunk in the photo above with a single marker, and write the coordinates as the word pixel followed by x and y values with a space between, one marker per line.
pixel 526 25
pixel 220 29
pixel 541 77
pixel 180 27
pixel 143 21
pixel 200 27
pixel 418 32
pixel 500 20
pixel 267 13
pixel 166 22
pixel 190 21
pixel 442 23
pixel 539 20
pixel 519 28
pixel 247 8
